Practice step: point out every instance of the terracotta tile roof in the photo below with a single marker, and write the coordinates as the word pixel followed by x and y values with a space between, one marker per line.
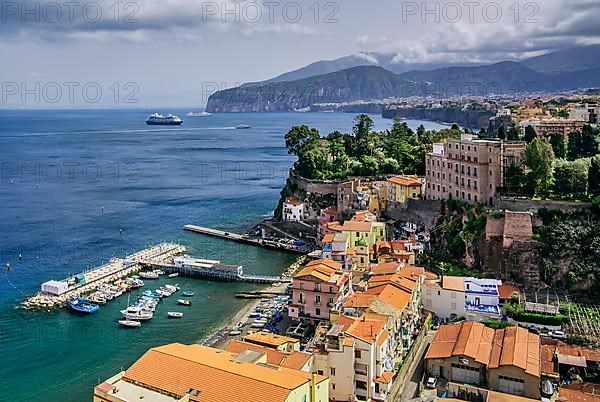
pixel 573 350
pixel 392 296
pixel 386 268
pixel 412 273
pixel 274 356
pixel 506 291
pixel 365 330
pixel 363 216
pixel 399 245
pixel 516 346
pixel 295 360
pixel 354 226
pixel 572 395
pixel 349 341
pixel 456 283
pixel 430 275
pixel 330 210
pixel 359 300
pixel 469 339
pixel 176 368
pixel 269 339
pixel 408 181
pixel 383 337
pixel 382 244
pixel 323 270
pixel 547 363
pixel 105 387
pixel 385 378
pixel 328 238
pixel 293 201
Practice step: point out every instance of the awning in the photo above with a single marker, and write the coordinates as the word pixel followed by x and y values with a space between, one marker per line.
pixel 569 360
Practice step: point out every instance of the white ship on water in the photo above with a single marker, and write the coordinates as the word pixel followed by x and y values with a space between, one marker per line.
pixel 157 119
pixel 198 114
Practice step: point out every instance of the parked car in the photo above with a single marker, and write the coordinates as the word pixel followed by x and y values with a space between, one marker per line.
pixel 534 329
pixel 558 334
pixel 431 382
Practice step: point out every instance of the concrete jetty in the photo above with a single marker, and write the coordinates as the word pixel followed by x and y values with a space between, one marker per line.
pixel 243 238
pixel 56 293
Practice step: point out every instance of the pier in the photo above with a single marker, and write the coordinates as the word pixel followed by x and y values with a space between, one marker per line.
pixel 211 269
pixel 56 293
pixel 243 238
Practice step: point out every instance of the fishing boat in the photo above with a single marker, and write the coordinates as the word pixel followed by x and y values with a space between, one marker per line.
pixel 184 302
pixel 188 293
pixel 159 272
pixel 257 325
pixel 235 333
pixel 130 323
pixel 174 275
pixel 174 314
pixel 137 314
pixel 148 275
pixel 83 306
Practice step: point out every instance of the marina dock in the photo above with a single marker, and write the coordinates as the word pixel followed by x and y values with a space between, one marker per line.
pixel 56 293
pixel 209 269
pixel 243 238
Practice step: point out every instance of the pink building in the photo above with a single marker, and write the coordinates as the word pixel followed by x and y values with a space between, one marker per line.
pixel 326 217
pixel 318 288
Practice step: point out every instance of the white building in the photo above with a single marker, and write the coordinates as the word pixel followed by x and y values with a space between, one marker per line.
pixel 585 112
pixel 55 288
pixel 453 297
pixel 293 209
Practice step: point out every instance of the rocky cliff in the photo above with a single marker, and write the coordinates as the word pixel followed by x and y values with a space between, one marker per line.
pixel 470 118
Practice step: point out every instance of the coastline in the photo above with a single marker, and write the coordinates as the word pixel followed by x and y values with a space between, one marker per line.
pixel 220 337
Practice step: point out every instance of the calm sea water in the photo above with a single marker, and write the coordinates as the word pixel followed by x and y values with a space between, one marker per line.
pixel 78 187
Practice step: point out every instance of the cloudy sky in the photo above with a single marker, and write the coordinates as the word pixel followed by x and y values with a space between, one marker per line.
pixel 176 52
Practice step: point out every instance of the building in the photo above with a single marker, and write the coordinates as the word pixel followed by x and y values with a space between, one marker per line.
pixel 506 360
pixel 273 341
pixel 586 112
pixel 469 169
pixel 327 216
pixel 336 247
pixel 401 188
pixel 545 127
pixel 368 233
pixel 55 288
pixel 293 209
pixel 453 297
pixel 198 373
pixel 394 251
pixel 293 360
pixel 317 289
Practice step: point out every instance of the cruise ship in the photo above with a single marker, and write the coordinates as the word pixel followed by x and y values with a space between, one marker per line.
pixel 160 120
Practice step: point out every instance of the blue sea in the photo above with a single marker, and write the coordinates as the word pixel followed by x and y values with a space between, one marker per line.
pixel 78 187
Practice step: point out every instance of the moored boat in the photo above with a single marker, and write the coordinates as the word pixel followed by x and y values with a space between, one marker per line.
pixel 130 323
pixel 174 314
pixel 148 275
pixel 184 302
pixel 174 275
pixel 188 293
pixel 79 305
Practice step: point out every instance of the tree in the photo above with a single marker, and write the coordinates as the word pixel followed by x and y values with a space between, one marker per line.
pixel 397 146
pixel 362 135
pixel 538 158
pixel 455 127
pixel 502 132
pixel 300 138
pixel 514 133
pixel 594 176
pixel 574 148
pixel 559 145
pixel 589 142
pixel 570 178
pixel 313 163
pixel 515 179
pixel 530 134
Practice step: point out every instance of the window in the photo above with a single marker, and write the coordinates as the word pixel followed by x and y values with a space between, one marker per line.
pixel 332 371
pixel 453 306
pixel 331 289
pixel 320 372
pixel 317 287
pixel 357 354
pixel 453 295
pixel 318 299
pixel 357 234
pixel 332 385
pixel 301 286
pixel 439 293
pixel 318 311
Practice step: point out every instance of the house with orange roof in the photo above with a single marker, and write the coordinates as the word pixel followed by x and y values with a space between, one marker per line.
pixel 293 360
pixel 505 360
pixel 196 373
pixel 328 219
pixel 336 248
pixel 293 209
pixel 401 188
pixel 394 251
pixel 271 340
pixel 317 288
pixel 358 356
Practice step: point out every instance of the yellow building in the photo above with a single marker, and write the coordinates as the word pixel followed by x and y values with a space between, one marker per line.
pixel 363 232
pixel 401 188
pixel 198 373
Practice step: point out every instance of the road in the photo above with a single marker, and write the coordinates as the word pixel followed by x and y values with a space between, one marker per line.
pixel 411 387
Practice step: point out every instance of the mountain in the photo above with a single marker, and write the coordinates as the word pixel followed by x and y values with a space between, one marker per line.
pixel 375 83
pixel 386 60
pixel 573 59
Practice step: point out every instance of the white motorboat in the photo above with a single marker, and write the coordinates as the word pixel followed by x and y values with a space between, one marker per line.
pixel 159 272
pixel 184 302
pixel 257 325
pixel 174 275
pixel 148 275
pixel 174 314
pixel 137 313
pixel 130 323
pixel 235 333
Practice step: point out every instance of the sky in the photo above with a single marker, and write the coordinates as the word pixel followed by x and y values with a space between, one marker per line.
pixel 149 53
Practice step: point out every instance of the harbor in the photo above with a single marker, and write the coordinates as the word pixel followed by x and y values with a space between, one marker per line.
pixel 55 293
pixel 282 244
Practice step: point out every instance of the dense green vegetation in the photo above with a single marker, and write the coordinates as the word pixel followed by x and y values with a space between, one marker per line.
pixel 556 169
pixel 574 239
pixel 398 150
pixel 495 324
pixel 518 313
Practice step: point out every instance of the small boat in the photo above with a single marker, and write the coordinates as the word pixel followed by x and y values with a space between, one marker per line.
pixel 242 127
pixel 159 272
pixel 198 114
pixel 257 325
pixel 137 313
pixel 184 302
pixel 80 305
pixel 130 323
pixel 148 275
pixel 174 314
pixel 235 333
pixel 188 293
pixel 174 275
